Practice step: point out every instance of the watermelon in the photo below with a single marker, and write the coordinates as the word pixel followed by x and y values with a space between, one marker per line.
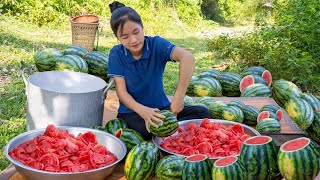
pixel 169 126
pixel 250 114
pixel 299 159
pixel 259 156
pixel 209 73
pixel 228 168
pixel 216 109
pixel 190 89
pixel 97 64
pixel 97 128
pixel 232 113
pixel 251 79
pixel 314 129
pixel 283 90
pixel 256 90
pixel 266 114
pixel 259 71
pixel 230 84
pixel 268 125
pixel 207 87
pixel 170 168
pixel 75 50
pixel 141 161
pixel 238 104
pixel 114 125
pixel 205 100
pixel 200 104
pixel 130 137
pixel 273 108
pixel 300 112
pixel 188 101
pixel 71 62
pixel 196 167
pixel 312 100
pixel 45 60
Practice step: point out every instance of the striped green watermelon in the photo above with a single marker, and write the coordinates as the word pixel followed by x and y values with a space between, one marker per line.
pixel 97 128
pixel 170 168
pixel 314 129
pixel 200 104
pixel 196 167
pixel 45 60
pixel 190 89
pixel 73 63
pixel 228 168
pixel 141 161
pixel 216 109
pixel 312 100
pixel 259 156
pixel 298 159
pixel 267 114
pixel 188 101
pixel 251 79
pixel 209 73
pixel 259 71
pixel 232 113
pixel 114 125
pixel 268 125
pixel 238 104
pixel 250 114
pixel 300 112
pixel 207 87
pixel 75 50
pixel 97 64
pixel 205 100
pixel 283 90
pixel 230 84
pixel 256 90
pixel 273 108
pixel 169 126
pixel 130 137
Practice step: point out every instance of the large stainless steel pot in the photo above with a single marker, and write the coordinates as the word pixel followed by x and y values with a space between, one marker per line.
pixel 64 98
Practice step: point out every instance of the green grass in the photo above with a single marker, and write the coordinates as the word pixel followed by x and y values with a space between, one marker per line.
pixel 19 41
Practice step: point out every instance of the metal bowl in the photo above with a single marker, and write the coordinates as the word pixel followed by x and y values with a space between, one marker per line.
pixel 184 124
pixel 113 144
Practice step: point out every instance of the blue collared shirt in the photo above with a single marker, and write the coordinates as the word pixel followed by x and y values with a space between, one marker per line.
pixel 144 77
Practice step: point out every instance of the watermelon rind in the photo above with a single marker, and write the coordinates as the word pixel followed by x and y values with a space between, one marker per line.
pixel 168 127
pixel 45 60
pixel 209 73
pixel 207 87
pixel 114 125
pixel 72 63
pixel 130 137
pixel 141 161
pixel 97 64
pixel 75 50
pixel 190 89
pixel 250 114
pixel 302 163
pixel 233 171
pixel 256 90
pixel 188 101
pixel 169 168
pixel 205 100
pixel 312 100
pixel 314 129
pixel 254 70
pixel 238 104
pixel 283 91
pixel 268 125
pixel 232 113
pixel 230 84
pixel 216 109
pixel 200 170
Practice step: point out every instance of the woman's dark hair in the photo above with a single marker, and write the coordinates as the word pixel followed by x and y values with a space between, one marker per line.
pixel 120 15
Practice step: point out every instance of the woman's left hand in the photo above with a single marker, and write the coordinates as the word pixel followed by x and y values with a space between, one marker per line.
pixel 176 106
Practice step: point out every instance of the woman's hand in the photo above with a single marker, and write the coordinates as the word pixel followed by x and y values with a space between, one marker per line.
pixel 177 105
pixel 151 116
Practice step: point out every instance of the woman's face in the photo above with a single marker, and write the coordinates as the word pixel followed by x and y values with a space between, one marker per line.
pixel 132 37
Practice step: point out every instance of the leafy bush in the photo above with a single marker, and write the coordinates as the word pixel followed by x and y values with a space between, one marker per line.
pixel 290 46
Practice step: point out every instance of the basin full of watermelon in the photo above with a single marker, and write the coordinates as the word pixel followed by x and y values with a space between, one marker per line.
pixel 73 58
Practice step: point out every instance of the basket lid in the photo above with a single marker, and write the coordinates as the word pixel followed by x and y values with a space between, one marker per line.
pixel 86 18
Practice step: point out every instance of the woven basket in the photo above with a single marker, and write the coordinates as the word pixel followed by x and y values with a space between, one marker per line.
pixel 84 29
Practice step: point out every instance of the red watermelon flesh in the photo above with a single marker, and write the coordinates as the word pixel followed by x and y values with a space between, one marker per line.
pixel 245 82
pixel 263 115
pixel 225 161
pixel 296 144
pixel 258 140
pixel 118 133
pixel 279 114
pixel 266 75
pixel 196 158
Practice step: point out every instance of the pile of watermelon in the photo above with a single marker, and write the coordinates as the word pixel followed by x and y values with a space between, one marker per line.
pixel 73 58
pixel 59 151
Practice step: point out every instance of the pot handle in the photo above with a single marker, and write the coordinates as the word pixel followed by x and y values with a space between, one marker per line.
pixel 24 78
pixel 111 81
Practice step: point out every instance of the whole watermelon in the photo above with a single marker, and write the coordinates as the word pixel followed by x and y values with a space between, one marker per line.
pixel 169 126
pixel 97 64
pixel 72 63
pixel 46 60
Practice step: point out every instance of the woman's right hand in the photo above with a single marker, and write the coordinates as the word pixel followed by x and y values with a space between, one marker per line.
pixel 150 116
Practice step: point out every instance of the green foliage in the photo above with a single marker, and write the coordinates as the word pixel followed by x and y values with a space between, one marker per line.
pixel 292 45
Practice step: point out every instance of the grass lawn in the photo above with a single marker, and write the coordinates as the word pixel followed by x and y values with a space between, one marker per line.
pixel 19 41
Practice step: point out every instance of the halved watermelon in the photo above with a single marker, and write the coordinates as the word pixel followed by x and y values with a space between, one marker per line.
pixel 245 82
pixel 263 115
pixel 266 75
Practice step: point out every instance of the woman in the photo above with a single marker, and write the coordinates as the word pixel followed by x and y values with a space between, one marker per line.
pixel 137 66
